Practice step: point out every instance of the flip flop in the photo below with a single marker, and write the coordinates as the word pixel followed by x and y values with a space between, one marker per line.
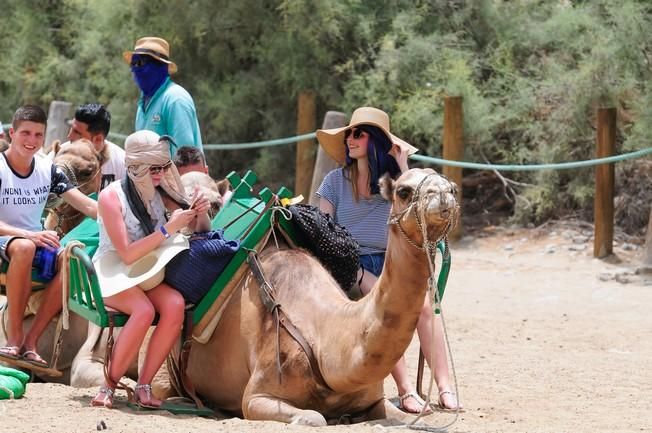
pixel 34 358
pixel 10 352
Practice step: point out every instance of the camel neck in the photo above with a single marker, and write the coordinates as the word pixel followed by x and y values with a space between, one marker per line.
pixel 390 311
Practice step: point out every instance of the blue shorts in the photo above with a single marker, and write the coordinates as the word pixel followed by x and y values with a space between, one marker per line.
pixel 373 262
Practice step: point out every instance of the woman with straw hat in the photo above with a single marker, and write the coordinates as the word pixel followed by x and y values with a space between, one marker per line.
pixel 367 150
pixel 136 241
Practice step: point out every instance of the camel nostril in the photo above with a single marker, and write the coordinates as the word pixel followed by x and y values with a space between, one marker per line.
pixel 445 213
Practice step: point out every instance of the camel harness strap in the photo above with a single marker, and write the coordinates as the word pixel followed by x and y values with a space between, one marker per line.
pixel 281 319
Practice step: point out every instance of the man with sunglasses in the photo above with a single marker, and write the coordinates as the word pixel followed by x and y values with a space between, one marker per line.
pixel 164 107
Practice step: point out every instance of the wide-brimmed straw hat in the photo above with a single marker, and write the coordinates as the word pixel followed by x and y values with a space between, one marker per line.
pixel 157 48
pixel 147 272
pixel 332 140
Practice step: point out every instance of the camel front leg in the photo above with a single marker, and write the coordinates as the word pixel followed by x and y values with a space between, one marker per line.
pixel 268 408
pixel 385 410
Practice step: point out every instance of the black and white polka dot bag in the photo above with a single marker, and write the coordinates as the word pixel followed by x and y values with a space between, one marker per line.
pixel 330 242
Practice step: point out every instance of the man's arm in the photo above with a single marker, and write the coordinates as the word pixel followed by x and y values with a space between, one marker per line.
pixel 82 203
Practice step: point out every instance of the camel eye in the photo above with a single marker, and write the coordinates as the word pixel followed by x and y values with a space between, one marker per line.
pixel 404 192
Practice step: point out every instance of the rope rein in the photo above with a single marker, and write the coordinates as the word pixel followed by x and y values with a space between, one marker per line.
pixel 418 204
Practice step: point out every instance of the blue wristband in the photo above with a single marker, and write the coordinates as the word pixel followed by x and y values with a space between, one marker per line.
pixel 165 232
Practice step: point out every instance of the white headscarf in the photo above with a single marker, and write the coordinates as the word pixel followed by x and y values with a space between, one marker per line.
pixel 142 150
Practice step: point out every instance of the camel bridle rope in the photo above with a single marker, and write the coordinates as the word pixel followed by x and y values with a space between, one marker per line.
pixel 418 205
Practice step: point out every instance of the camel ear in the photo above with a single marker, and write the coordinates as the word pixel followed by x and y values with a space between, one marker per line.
pixel 56 146
pixel 387 184
pixel 223 186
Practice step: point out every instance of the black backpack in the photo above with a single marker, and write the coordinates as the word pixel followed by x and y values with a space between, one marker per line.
pixel 330 242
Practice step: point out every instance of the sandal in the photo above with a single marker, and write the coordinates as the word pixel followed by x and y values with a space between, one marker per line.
pixel 151 402
pixel 10 352
pixel 106 401
pixel 401 403
pixel 442 405
pixel 34 358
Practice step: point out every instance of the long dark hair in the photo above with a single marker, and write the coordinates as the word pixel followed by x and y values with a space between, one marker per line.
pixel 380 161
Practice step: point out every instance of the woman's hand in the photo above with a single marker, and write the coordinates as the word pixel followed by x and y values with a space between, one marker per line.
pixel 401 157
pixel 200 203
pixel 179 219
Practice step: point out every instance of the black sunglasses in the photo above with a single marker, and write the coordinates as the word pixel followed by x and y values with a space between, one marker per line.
pixel 357 133
pixel 139 61
pixel 156 169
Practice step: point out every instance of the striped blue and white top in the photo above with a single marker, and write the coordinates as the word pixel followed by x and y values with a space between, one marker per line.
pixel 365 219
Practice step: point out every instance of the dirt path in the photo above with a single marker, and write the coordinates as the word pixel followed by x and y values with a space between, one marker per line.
pixel 545 339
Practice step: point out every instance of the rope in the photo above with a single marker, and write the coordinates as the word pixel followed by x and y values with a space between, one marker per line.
pixel 438 161
pixel 64 281
pixel 532 167
pixel 248 145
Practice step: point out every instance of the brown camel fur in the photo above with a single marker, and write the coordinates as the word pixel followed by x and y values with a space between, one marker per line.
pixel 82 164
pixel 356 344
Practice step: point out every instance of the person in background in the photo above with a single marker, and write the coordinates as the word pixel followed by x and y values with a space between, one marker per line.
pixel 350 194
pixel 190 158
pixel 164 107
pixel 133 223
pixel 3 135
pixel 25 182
pixel 92 122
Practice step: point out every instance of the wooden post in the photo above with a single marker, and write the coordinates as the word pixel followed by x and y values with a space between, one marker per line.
pixel 306 122
pixel 57 128
pixel 324 163
pixel 453 149
pixel 604 184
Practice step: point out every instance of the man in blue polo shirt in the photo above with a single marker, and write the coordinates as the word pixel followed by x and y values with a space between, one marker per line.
pixel 164 107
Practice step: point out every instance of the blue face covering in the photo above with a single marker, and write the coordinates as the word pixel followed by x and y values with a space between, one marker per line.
pixel 150 76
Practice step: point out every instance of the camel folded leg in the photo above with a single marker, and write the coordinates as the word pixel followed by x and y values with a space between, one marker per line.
pixel 389 414
pixel 265 407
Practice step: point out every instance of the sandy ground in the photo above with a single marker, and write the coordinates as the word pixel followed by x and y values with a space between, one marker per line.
pixel 545 338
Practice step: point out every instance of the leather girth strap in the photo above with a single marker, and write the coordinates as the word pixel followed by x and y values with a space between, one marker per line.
pixel 186 345
pixel 266 292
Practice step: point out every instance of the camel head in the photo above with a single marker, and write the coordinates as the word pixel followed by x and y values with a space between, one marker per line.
pixel 423 202
pixel 81 163
pixel 216 192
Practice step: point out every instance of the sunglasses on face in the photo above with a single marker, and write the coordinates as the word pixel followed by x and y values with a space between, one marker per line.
pixel 356 132
pixel 156 169
pixel 139 61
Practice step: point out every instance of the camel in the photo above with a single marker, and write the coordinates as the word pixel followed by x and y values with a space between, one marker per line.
pixel 355 344
pixel 82 164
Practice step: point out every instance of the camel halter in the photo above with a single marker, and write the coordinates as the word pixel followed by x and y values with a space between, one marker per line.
pixel 60 204
pixel 418 205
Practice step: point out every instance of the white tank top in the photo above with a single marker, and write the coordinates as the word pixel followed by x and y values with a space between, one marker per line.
pixel 134 229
